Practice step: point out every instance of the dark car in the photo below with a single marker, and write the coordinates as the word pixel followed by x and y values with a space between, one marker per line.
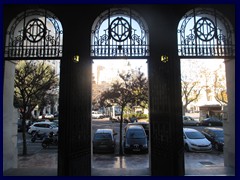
pixel 211 121
pixel 189 121
pixel 145 126
pixel 135 139
pixel 104 141
pixel 216 136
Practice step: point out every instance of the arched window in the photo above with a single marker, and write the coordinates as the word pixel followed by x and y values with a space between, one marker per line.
pixel 119 33
pixel 34 34
pixel 205 32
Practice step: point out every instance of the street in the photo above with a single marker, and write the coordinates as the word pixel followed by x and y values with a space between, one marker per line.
pixel 192 160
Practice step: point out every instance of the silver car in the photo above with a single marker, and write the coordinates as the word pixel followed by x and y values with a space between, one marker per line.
pixel 104 141
pixel 43 127
pixel 195 141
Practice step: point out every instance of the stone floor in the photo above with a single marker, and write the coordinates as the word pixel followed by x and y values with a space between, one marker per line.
pixel 45 164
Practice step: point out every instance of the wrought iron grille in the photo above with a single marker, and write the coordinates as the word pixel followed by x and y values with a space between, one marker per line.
pixel 119 33
pixel 205 33
pixel 34 34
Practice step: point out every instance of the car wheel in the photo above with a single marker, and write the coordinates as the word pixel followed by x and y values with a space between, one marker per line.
pixel 44 145
pixel 209 124
pixel 186 147
pixel 216 146
pixel 33 132
pixel 145 152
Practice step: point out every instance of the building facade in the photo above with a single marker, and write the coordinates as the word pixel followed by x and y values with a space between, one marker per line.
pixel 68 34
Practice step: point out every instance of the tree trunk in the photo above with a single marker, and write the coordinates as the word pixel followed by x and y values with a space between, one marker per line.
pixel 184 110
pixel 24 134
pixel 120 134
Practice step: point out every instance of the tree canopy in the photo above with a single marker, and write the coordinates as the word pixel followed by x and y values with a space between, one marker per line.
pixel 33 80
pixel 131 91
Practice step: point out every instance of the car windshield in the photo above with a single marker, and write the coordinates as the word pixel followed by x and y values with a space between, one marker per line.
pixel 219 133
pixel 102 136
pixel 190 119
pixel 194 135
pixel 145 126
pixel 53 125
pixel 212 119
pixel 136 134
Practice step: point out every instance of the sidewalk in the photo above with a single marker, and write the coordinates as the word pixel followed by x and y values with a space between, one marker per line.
pixel 45 164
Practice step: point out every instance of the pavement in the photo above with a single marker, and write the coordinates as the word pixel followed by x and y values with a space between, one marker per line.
pixel 45 164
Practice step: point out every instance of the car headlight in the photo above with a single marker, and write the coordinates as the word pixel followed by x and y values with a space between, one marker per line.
pixel 145 146
pixel 220 142
pixel 193 144
pixel 127 145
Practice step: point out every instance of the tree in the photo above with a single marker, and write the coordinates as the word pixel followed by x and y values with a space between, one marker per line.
pixel 33 80
pixel 190 82
pixel 220 87
pixel 190 93
pixel 131 91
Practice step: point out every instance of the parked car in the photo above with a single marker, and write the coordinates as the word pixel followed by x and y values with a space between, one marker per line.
pixel 46 116
pixel 97 115
pixel 43 120
pixel 195 141
pixel 104 141
pixel 43 127
pixel 56 114
pixel 189 121
pixel 145 126
pixel 211 121
pixel 216 136
pixel 135 139
pixel 56 122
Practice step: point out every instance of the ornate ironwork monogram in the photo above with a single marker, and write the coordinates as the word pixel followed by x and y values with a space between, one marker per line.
pixel 35 30
pixel 205 29
pixel 119 33
pixel 205 33
pixel 34 34
pixel 120 29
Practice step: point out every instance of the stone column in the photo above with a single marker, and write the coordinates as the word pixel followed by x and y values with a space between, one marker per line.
pixel 229 123
pixel 10 151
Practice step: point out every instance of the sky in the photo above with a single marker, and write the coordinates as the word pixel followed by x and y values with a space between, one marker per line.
pixel 110 67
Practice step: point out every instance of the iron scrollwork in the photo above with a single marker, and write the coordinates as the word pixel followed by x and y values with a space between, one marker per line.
pixel 120 29
pixel 205 33
pixel 205 29
pixel 34 34
pixel 119 38
pixel 35 30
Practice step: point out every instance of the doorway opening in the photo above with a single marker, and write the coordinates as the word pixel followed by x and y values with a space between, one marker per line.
pixel 109 108
pixel 204 98
pixel 33 49
pixel 36 87
pixel 206 36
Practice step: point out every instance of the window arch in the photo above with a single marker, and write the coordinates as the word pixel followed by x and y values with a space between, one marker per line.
pixel 204 32
pixel 119 33
pixel 34 34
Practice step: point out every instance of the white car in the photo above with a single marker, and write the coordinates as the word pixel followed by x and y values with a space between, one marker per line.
pixel 96 115
pixel 195 141
pixel 43 127
pixel 47 116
